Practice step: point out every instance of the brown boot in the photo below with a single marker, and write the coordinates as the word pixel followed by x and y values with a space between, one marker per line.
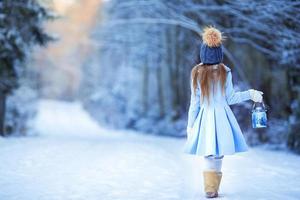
pixel 212 181
pixel 219 179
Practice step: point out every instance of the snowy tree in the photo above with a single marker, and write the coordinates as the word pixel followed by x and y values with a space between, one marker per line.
pixel 20 29
pixel 152 66
pixel 156 44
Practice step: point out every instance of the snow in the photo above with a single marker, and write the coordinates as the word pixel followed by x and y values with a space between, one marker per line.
pixel 74 159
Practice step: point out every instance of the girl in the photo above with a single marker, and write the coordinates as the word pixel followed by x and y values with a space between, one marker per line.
pixel 212 128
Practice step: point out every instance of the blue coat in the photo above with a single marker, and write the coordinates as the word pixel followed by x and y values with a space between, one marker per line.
pixel 215 130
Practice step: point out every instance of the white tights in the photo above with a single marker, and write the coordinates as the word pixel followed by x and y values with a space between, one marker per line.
pixel 213 163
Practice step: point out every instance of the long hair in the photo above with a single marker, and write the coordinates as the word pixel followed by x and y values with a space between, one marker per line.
pixel 207 75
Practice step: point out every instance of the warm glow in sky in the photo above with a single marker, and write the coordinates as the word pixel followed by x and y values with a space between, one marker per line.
pixel 62 5
pixel 62 60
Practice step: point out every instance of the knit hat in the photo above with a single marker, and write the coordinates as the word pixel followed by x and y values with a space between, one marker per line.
pixel 211 50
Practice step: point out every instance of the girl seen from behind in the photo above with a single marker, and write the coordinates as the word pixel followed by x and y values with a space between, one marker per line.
pixel 212 128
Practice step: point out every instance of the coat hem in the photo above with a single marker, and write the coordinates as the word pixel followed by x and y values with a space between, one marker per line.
pixel 204 154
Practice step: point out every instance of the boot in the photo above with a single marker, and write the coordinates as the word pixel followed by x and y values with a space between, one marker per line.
pixel 212 181
pixel 219 179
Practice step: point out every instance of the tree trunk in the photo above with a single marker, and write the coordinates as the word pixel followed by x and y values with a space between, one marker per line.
pixel 2 112
pixel 145 88
pixel 160 91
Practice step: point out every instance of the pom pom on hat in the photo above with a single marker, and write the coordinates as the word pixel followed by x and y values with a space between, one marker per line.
pixel 212 37
pixel 211 50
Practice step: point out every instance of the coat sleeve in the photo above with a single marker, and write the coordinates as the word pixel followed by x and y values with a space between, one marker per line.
pixel 233 97
pixel 194 107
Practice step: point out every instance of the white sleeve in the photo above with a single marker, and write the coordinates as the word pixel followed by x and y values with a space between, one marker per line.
pixel 233 97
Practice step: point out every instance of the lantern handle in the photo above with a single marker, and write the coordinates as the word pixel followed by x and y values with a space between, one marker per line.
pixel 263 105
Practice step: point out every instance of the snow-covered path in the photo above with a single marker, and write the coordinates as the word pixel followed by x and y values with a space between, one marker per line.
pixel 74 159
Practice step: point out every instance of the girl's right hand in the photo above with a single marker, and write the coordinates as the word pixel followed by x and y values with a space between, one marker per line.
pixel 256 95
